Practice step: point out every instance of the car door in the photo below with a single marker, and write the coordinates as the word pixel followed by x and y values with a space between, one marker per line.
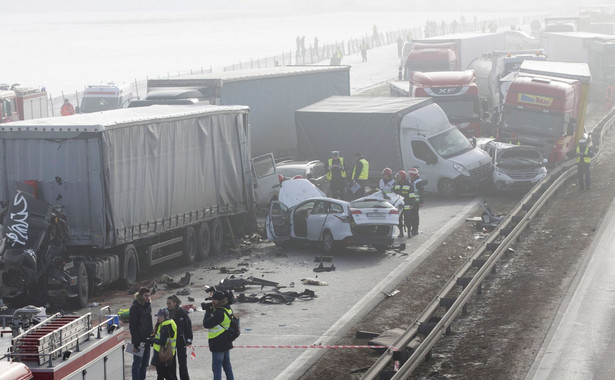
pixel 278 222
pixel 266 182
pixel 316 220
pixel 427 161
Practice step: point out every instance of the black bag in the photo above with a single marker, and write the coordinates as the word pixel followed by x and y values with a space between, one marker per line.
pixel 233 330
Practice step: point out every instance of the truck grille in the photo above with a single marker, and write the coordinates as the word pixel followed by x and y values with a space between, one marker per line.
pixel 481 173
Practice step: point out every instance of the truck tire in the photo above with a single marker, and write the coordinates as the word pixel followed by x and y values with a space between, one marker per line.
pixel 217 236
pixel 190 245
pixel 446 187
pixel 131 265
pixel 83 286
pixel 204 241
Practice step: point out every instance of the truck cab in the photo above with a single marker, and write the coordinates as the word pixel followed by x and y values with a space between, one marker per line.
pixel 430 57
pixel 8 105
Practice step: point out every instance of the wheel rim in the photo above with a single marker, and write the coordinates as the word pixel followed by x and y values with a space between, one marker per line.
pixel 204 240
pixel 217 238
pixel 190 245
pixel 447 187
pixel 130 257
pixel 327 241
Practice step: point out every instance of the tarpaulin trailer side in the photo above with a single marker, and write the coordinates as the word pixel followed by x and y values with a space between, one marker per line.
pixel 369 125
pixel 127 174
pixel 272 93
pixel 138 187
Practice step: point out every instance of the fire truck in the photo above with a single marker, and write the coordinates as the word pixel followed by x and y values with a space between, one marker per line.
pixel 545 107
pixel 456 92
pixel 22 103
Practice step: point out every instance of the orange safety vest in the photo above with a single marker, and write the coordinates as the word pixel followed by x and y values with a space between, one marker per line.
pixel 67 109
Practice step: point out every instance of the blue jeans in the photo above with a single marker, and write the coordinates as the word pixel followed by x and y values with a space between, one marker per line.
pixel 139 364
pixel 221 360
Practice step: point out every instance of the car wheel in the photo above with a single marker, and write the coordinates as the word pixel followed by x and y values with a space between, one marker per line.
pixel 328 244
pixel 446 187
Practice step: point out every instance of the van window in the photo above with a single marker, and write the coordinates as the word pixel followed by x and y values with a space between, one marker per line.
pixel 422 151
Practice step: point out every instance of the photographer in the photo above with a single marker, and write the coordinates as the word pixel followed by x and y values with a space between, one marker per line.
pixel 217 320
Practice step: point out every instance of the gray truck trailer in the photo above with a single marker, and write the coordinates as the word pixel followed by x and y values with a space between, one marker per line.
pixel 95 198
pixel 272 93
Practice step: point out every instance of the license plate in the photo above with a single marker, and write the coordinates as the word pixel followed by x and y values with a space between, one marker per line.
pixel 376 215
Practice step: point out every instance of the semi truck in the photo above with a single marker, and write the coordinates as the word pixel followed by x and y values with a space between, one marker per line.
pixel 22 103
pixel 456 92
pixel 272 93
pixel 452 52
pixel 394 132
pixel 545 107
pixel 597 50
pixel 94 199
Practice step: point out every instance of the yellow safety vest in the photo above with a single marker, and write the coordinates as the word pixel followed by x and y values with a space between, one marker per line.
pixel 331 163
pixel 222 327
pixel 172 340
pixel 364 172
pixel 586 158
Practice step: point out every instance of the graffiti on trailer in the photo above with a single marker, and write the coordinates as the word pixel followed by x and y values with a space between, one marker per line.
pixel 18 227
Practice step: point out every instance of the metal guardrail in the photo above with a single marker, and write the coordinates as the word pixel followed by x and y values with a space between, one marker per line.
pixel 511 228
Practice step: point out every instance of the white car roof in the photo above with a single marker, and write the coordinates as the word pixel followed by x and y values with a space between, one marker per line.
pixel 295 191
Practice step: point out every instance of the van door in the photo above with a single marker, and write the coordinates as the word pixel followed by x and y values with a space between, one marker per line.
pixel 427 161
pixel 266 182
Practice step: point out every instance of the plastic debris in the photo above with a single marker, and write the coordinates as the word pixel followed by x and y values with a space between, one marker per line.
pixel 313 281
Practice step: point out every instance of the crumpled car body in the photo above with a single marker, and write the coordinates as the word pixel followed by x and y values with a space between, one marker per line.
pixel 304 214
pixel 515 167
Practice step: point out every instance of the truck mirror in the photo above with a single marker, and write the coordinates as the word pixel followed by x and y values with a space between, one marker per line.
pixel 473 141
pixel 572 126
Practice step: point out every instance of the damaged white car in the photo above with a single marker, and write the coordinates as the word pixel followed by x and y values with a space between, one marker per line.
pixel 515 167
pixel 303 213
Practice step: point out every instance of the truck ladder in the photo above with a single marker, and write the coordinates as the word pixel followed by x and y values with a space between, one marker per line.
pixel 43 340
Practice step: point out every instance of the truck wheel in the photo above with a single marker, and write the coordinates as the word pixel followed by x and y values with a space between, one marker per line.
pixel 131 264
pixel 327 242
pixel 83 286
pixel 217 236
pixel 446 187
pixel 204 241
pixel 190 246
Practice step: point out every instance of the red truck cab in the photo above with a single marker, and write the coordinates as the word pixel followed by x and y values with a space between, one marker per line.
pixel 542 111
pixel 427 57
pixel 456 92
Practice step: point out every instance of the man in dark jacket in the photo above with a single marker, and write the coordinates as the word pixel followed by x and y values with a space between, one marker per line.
pixel 217 320
pixel 184 333
pixel 141 327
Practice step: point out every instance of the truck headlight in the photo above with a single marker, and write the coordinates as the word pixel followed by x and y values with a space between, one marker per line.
pixel 461 169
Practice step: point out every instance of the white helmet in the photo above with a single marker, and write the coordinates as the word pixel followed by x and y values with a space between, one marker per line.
pixel 584 139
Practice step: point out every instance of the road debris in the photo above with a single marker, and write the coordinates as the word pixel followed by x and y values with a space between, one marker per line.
pixel 322 268
pixel 313 281
pixel 394 292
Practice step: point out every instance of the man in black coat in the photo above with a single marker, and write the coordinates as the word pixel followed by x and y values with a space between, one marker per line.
pixel 184 333
pixel 217 320
pixel 140 326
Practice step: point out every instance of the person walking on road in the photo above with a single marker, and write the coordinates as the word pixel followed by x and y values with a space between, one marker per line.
pixel 585 152
pixel 336 175
pixel 184 333
pixel 140 326
pixel 360 174
pixel 419 189
pixel 217 320
pixel 400 46
pixel 166 333
pixel 363 48
pixel 67 108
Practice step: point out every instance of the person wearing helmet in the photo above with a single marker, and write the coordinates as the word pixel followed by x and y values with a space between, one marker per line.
pixel 404 189
pixel 336 175
pixel 387 181
pixel 419 189
pixel 585 152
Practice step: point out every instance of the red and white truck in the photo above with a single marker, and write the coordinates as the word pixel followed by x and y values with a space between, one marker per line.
pixel 456 92
pixel 22 103
pixel 449 53
pixel 545 107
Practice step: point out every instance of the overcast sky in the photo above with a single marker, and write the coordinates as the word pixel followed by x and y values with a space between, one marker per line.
pixel 419 5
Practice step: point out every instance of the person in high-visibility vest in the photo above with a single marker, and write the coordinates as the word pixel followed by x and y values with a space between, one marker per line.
pixel 67 108
pixel 165 333
pixel 584 158
pixel 217 320
pixel 360 174
pixel 336 175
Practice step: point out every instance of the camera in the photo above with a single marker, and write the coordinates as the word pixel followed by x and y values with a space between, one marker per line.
pixel 207 306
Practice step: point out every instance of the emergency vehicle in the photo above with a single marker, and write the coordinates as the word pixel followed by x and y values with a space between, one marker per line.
pixel 22 103
pixel 104 97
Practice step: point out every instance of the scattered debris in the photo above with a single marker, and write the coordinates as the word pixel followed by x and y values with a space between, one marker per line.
pixel 233 270
pixel 480 235
pixel 183 292
pixel 313 281
pixel 240 283
pixel 322 268
pixel 387 338
pixel 394 292
pixel 190 299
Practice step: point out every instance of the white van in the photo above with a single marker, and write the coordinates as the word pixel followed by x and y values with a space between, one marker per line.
pixel 103 97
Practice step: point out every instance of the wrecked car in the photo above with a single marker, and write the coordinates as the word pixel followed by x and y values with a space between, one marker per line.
pixel 303 213
pixel 515 167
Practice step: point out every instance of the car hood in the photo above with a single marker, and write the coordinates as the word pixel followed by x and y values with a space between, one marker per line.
pixel 394 199
pixel 295 191
pixel 519 157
